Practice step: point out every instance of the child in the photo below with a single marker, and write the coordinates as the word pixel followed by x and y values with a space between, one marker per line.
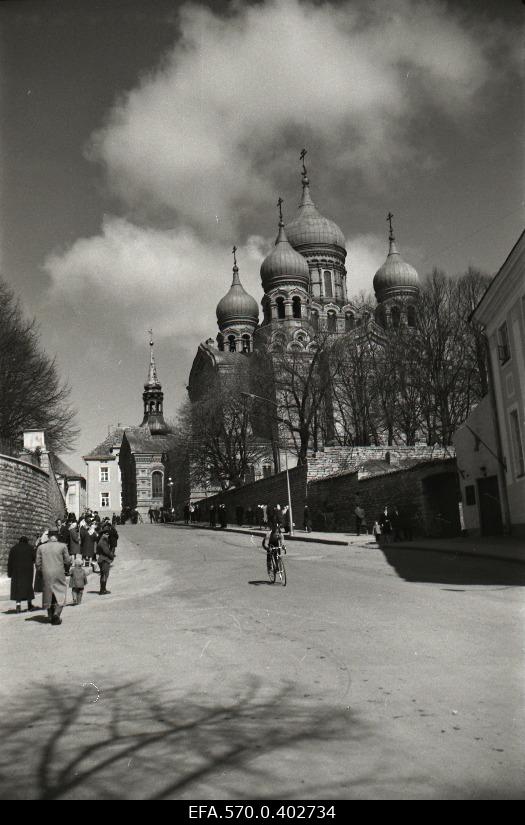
pixel 78 580
pixel 377 532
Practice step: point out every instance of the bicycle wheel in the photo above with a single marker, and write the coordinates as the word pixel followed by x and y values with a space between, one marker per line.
pixel 282 571
pixel 271 571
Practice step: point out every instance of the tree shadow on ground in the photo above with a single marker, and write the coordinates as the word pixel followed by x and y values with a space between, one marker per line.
pixel 132 742
pixel 415 565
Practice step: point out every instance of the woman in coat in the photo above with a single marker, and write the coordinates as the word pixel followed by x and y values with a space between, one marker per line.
pixel 20 569
pixel 88 543
pixel 52 560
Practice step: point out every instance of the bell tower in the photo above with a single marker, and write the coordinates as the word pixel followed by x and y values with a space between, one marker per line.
pixel 153 398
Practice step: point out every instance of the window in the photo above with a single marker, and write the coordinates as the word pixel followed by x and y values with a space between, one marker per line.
pixel 156 484
pixel 231 343
pixel 395 316
pixel 349 321
pixel 296 307
pixel 517 444
pixel 280 308
pixel 470 495
pixel 246 343
pixel 332 321
pixel 104 474
pixel 315 320
pixel 267 470
pixel 411 316
pixel 328 291
pixel 104 501
pixel 503 343
pixel 220 340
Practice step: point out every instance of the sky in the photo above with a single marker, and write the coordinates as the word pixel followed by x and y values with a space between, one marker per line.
pixel 140 140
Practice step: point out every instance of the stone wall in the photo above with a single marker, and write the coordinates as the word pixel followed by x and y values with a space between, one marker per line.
pixel 427 494
pixel 334 460
pixel 30 500
pixel 271 491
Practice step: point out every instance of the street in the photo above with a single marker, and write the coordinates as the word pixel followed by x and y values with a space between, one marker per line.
pixel 369 676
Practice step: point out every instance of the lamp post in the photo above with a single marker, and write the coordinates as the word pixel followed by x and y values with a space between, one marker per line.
pixel 170 485
pixel 269 401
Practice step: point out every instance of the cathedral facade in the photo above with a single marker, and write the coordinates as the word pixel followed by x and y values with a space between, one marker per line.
pixel 305 296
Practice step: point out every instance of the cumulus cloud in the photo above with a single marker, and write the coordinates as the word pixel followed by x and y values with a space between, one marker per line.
pixel 141 275
pixel 200 134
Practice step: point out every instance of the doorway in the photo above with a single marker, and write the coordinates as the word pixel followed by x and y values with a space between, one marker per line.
pixel 491 523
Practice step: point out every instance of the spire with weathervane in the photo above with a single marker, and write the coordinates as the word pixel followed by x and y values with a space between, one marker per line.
pixel 153 397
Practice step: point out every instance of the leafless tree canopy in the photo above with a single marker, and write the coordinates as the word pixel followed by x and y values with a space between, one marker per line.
pixel 32 394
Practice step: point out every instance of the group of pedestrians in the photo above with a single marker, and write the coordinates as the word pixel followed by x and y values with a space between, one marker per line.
pixel 70 550
pixel 391 524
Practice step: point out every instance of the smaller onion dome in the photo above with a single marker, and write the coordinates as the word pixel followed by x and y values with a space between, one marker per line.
pixel 237 306
pixel 284 266
pixel 395 277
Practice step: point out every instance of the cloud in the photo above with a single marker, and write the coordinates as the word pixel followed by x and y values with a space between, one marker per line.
pixel 206 134
pixel 137 276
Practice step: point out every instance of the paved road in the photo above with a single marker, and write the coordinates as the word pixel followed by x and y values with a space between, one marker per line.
pixel 366 677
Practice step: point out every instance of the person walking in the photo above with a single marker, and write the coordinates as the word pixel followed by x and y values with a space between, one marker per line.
pixel 52 560
pixel 74 539
pixel 78 580
pixel 20 569
pixel 88 543
pixel 212 516
pixel 186 513
pixel 307 526
pixel 386 525
pixel 105 556
pixel 359 519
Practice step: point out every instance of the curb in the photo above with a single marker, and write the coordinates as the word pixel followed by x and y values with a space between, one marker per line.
pixel 256 532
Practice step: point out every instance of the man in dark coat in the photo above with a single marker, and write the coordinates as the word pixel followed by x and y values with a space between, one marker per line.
pixel 105 557
pixel 212 515
pixel 20 566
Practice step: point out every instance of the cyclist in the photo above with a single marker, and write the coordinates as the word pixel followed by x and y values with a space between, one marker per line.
pixel 273 543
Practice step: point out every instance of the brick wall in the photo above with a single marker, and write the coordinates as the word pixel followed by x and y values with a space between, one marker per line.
pixel 428 493
pixel 28 502
pixel 271 491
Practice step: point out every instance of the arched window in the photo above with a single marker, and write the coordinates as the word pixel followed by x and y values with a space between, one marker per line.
pixel 332 321
pixel 381 317
pixel 315 320
pixel 328 291
pixel 152 407
pixel 231 343
pixel 156 484
pixel 411 316
pixel 349 321
pixel 280 308
pixel 395 315
pixel 296 307
pixel 246 343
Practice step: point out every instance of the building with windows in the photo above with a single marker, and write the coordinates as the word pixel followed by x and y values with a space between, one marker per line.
pixel 142 449
pixel 491 444
pixel 103 477
pixel 72 485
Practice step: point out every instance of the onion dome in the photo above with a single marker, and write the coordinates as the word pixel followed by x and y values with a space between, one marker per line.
pixel 395 277
pixel 309 227
pixel 284 266
pixel 237 306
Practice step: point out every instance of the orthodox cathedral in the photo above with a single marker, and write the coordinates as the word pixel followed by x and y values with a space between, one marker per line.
pixel 304 280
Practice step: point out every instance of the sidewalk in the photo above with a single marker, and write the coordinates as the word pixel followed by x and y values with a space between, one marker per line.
pixel 491 547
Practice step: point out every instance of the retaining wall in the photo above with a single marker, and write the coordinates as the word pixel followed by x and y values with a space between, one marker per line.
pixel 30 500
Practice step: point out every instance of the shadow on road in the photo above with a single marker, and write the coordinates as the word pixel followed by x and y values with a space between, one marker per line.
pixel 257 582
pixel 447 568
pixel 131 742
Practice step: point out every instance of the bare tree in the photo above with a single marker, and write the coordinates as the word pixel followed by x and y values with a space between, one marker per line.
pixel 32 395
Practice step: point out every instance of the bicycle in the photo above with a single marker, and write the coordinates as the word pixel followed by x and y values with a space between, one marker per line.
pixel 277 567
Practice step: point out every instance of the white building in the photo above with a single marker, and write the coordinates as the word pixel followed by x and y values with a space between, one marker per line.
pixel 491 444
pixel 104 483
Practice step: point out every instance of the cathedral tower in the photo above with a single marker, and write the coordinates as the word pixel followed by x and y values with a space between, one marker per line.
pixel 322 243
pixel 396 286
pixel 237 316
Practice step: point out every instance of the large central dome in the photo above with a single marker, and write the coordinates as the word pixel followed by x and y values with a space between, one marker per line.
pixel 310 228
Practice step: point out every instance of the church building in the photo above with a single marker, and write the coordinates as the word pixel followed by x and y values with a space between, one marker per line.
pixel 142 448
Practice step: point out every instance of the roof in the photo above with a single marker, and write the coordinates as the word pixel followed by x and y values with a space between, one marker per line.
pixel 394 274
pixel 237 306
pixel 60 468
pixel 103 450
pixel 141 440
pixel 483 307
pixel 309 227
pixel 284 265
